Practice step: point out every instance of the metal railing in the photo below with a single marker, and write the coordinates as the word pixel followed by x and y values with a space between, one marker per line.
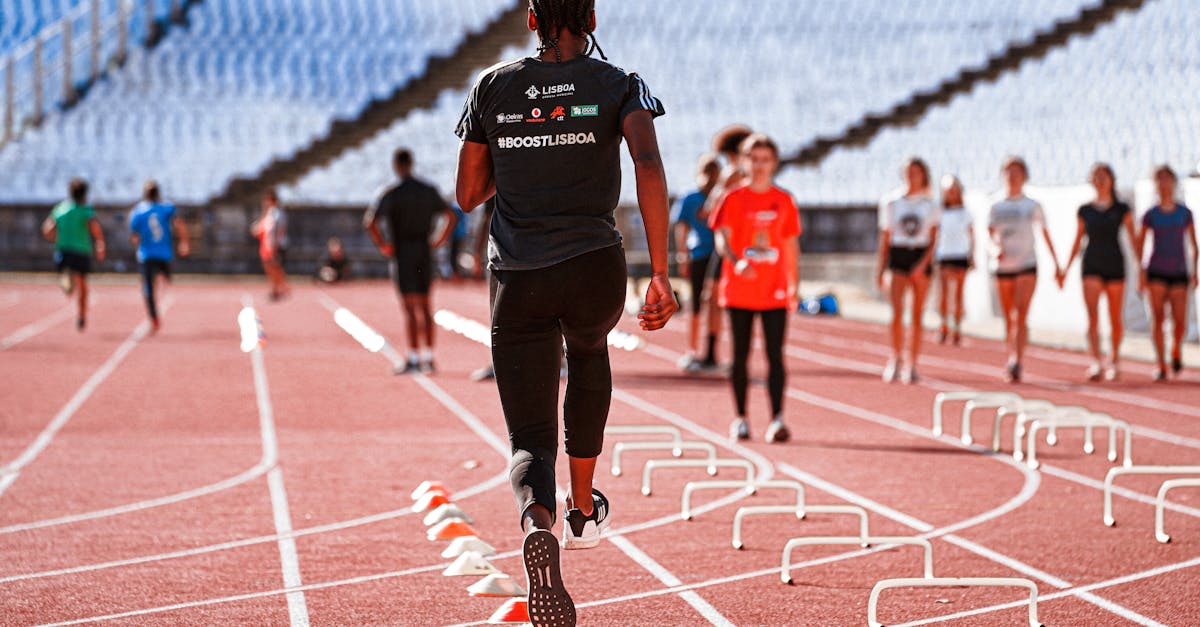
pixel 53 67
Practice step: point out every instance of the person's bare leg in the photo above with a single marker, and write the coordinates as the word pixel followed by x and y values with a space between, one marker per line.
pixel 1177 297
pixel 536 517
pixel 411 327
pixel 1091 299
pixel 1006 288
pixel 1023 293
pixel 582 469
pixel 426 310
pixel 957 279
pixel 944 281
pixel 1115 293
pixel 1158 317
pixel 920 285
pixel 900 284
pixel 81 284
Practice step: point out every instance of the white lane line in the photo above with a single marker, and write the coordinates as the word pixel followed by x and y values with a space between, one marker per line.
pixel 35 328
pixel 289 560
pixel 1134 400
pixel 665 576
pixel 459 495
pixel 13 468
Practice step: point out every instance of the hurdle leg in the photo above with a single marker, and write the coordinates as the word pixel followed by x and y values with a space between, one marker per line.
pixel 1089 445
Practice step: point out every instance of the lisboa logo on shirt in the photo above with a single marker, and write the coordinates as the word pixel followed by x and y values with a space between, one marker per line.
pixel 550 91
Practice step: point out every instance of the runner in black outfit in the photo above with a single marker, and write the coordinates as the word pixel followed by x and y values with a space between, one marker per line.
pixel 543 134
pixel 410 208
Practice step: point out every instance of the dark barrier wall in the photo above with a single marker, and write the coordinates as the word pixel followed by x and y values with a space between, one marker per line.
pixel 222 244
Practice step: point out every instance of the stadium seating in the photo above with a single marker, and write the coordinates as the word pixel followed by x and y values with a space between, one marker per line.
pixel 794 68
pixel 246 82
pixel 1125 95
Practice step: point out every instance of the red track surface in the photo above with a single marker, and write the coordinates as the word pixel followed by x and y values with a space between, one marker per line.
pixel 151 499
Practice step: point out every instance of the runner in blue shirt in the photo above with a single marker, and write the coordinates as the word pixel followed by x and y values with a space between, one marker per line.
pixel 155 227
pixel 1165 275
pixel 694 258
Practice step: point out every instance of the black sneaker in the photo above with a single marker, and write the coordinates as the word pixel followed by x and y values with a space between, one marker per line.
pixel 483 374
pixel 1176 365
pixel 549 603
pixel 407 368
pixel 583 532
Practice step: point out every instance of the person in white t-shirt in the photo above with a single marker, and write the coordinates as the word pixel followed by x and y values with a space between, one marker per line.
pixel 955 257
pixel 1014 258
pixel 908 228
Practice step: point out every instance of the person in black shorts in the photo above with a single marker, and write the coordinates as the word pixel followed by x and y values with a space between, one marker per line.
pixel 1101 221
pixel 411 207
pixel 543 135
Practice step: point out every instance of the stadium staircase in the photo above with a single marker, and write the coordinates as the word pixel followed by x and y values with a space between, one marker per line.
pixel 477 51
pixel 911 110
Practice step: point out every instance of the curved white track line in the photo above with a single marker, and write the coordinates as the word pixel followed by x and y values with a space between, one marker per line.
pixel 36 328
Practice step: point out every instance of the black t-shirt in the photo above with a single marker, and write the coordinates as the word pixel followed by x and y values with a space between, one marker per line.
pixel 409 207
pixel 1103 227
pixel 554 133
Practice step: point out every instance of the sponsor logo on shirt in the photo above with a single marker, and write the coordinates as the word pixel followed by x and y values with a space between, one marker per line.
pixel 550 91
pixel 546 141
pixel 508 118
pixel 558 114
pixel 535 115
pixel 585 111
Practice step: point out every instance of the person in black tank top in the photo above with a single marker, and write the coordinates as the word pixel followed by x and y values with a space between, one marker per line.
pixel 410 208
pixel 543 136
pixel 1103 266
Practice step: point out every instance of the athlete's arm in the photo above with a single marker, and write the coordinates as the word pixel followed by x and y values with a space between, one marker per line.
pixel 476 180
pixel 97 238
pixel 638 128
pixel 1195 254
pixel 885 242
pixel 1060 276
pixel 50 229
pixel 451 222
pixel 182 242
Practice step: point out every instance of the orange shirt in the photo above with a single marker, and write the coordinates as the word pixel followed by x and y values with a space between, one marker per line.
pixel 759 227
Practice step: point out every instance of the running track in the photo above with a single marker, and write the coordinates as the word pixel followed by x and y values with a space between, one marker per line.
pixel 175 479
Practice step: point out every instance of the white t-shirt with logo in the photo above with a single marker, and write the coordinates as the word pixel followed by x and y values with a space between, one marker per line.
pixel 954 234
pixel 1013 220
pixel 910 219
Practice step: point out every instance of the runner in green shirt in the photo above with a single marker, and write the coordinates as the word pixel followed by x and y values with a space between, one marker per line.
pixel 77 236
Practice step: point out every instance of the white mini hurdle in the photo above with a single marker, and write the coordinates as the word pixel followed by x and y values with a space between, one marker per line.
pixel 785 568
pixel 978 397
pixel 1088 421
pixel 676 448
pixel 800 511
pixel 1113 473
pixel 669 430
pixel 711 465
pixel 953 582
pixel 1019 409
pixel 1160 502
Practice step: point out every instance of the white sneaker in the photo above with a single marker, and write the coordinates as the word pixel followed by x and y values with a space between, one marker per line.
pixel 889 371
pixel 777 432
pixel 583 532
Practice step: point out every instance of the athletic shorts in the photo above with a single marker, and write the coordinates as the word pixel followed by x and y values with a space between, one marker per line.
pixel 1012 274
pixel 75 262
pixel 955 262
pixel 1108 275
pixel 701 269
pixel 412 268
pixel 1170 280
pixel 151 267
pixel 903 260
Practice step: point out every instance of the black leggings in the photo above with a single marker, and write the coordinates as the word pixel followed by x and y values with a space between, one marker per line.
pixel 151 268
pixel 533 311
pixel 774 324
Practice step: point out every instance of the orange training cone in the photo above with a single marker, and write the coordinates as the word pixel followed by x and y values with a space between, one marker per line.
pixel 427 486
pixel 431 500
pixel 450 529
pixel 514 610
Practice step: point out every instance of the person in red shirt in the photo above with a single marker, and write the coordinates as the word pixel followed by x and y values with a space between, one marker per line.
pixel 757 228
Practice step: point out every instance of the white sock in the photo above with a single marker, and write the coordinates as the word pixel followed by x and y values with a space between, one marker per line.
pixel 412 357
pixel 427 354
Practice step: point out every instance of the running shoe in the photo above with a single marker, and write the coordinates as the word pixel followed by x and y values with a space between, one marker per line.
pixel 549 603
pixel 1112 373
pixel 1176 365
pixel 427 367
pixel 1012 373
pixel 1093 372
pixel 739 430
pixel 957 338
pixel 942 333
pixel 909 376
pixel 583 532
pixel 889 371
pixel 1160 375
pixel 408 368
pixel 777 432
pixel 80 323
pixel 484 373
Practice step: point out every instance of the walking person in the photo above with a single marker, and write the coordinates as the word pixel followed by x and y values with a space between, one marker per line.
pixel 272 232
pixel 1171 227
pixel 955 258
pixel 411 208
pixel 543 134
pixel 698 264
pixel 1101 222
pixel 908 230
pixel 156 230
pixel 1011 224
pixel 77 236
pixel 757 229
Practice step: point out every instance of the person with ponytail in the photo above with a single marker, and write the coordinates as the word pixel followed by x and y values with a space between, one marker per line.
pixel 542 135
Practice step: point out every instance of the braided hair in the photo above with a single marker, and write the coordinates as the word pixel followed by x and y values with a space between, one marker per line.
pixel 573 15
